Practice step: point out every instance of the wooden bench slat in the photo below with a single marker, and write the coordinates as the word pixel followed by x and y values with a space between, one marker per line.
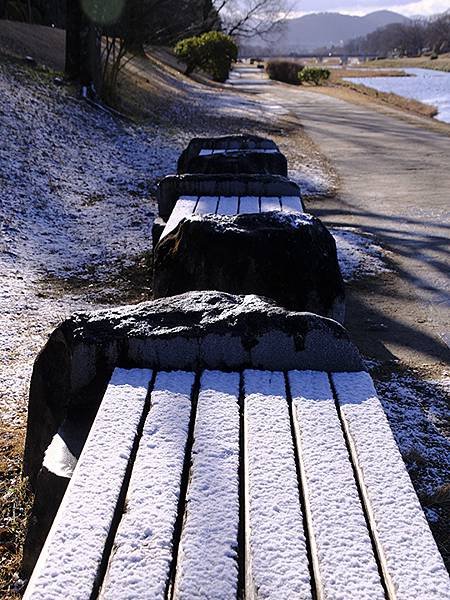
pixel 184 207
pixel 142 555
pixel 207 205
pixel 277 562
pixel 344 563
pixel 270 203
pixel 248 204
pixel 291 204
pixel 411 562
pixel 69 562
pixel 207 559
pixel 228 205
pixel 209 151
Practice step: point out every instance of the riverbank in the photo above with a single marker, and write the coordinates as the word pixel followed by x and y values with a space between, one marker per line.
pixel 442 63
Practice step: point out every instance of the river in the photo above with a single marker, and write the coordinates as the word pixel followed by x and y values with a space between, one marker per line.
pixel 425 85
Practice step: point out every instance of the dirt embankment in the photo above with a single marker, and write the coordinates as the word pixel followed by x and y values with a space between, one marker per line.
pixel 45 44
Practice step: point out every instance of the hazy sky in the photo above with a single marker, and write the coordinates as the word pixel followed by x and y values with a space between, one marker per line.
pixel 361 7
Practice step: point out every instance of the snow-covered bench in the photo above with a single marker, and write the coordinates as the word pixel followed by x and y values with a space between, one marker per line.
pixel 253 483
pixel 222 193
pixel 187 206
pixel 209 151
pixel 227 144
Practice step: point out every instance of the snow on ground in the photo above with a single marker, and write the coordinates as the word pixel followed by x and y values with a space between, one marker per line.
pixel 427 86
pixel 359 255
pixel 312 180
pixel 74 202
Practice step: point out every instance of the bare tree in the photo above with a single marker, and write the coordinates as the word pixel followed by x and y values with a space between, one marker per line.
pixel 251 18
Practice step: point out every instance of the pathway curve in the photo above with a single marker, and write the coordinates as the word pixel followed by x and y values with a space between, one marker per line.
pixel 395 179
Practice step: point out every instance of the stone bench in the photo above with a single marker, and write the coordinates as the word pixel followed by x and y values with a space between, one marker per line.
pixel 204 146
pixel 236 154
pixel 222 194
pixel 187 206
pixel 243 452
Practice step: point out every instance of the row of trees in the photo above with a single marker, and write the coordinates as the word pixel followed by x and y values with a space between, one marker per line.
pixel 163 18
pixel 406 39
pixel 102 34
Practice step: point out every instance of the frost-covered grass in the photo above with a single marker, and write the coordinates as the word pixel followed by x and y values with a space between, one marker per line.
pixel 75 202
pixel 359 255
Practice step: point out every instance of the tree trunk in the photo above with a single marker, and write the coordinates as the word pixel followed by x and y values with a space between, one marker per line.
pixel 83 47
pixel 73 39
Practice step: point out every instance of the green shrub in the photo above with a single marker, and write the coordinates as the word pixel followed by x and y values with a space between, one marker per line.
pixel 284 70
pixel 213 52
pixel 316 75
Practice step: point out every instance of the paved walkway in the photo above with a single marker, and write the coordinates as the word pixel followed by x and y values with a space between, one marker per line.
pixel 395 184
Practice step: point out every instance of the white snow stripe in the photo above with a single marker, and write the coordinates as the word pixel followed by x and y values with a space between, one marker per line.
pixel 142 554
pixel 183 208
pixel 413 567
pixel 207 205
pixel 228 205
pixel 277 563
pixel 69 562
pixel 344 563
pixel 270 203
pixel 207 560
pixel 291 204
pixel 248 204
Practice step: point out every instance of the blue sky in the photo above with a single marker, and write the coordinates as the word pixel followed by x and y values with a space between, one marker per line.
pixel 361 7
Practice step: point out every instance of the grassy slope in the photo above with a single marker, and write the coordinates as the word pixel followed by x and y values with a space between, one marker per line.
pixel 45 44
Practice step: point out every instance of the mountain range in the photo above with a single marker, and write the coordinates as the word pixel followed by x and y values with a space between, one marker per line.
pixel 319 30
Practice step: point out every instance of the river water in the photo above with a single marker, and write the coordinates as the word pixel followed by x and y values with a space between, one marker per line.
pixel 425 85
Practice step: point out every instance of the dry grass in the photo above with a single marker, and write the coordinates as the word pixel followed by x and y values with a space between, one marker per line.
pixel 338 74
pixel 15 504
pixel 442 63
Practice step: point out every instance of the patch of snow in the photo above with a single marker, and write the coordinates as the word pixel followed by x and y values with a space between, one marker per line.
pixel 312 180
pixel 207 557
pixel 70 559
pixel 359 255
pixel 276 546
pixel 74 203
pixel 404 541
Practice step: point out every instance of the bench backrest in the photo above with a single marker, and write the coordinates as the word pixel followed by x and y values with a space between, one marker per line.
pixel 173 187
pixel 187 206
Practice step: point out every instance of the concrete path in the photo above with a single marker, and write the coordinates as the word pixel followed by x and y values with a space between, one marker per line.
pixel 395 177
